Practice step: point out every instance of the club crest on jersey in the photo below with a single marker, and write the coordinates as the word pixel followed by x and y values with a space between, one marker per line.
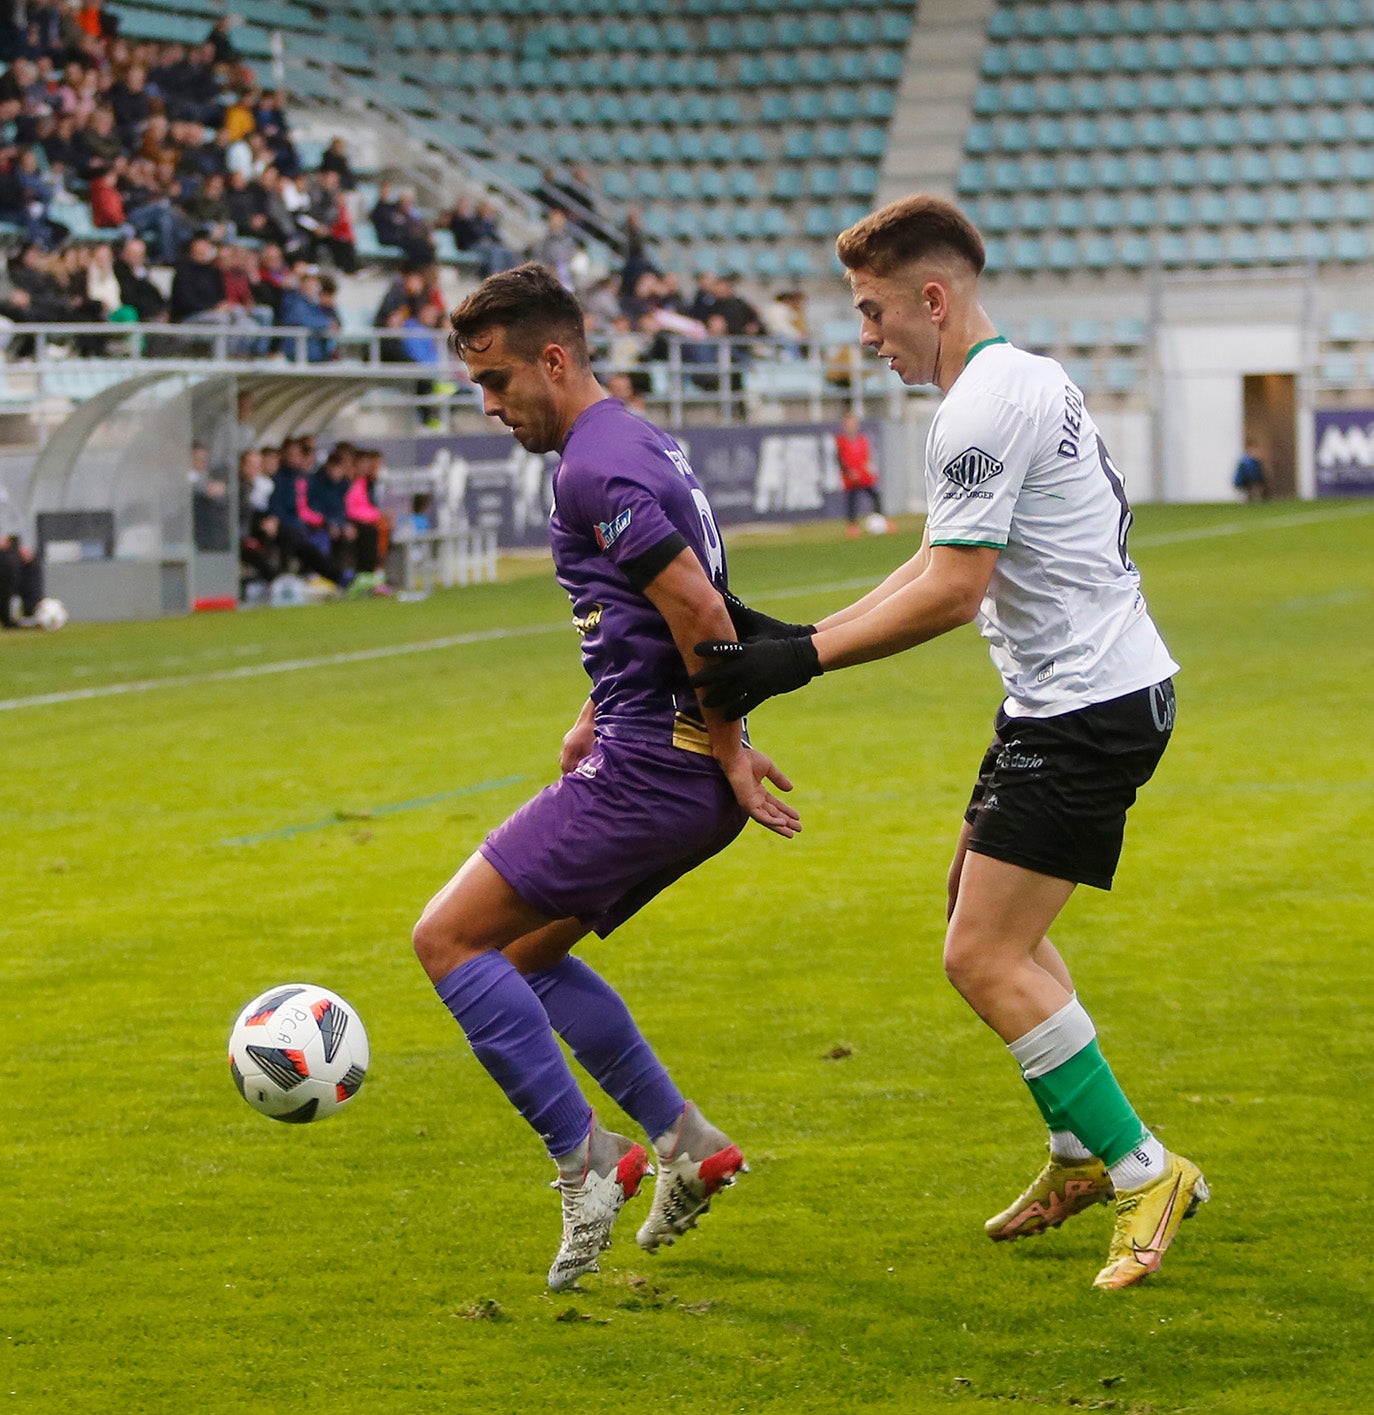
pixel 972 468
pixel 608 532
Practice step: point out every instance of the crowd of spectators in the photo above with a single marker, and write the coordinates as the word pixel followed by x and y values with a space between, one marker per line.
pixel 302 515
pixel 179 159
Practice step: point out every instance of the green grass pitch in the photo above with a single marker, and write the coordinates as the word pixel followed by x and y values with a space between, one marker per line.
pixel 162 1247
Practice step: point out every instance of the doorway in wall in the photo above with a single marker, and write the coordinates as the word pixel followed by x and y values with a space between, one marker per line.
pixel 1271 422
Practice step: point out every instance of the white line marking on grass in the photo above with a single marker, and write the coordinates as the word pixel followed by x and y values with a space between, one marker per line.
pixel 294 665
pixel 1236 528
pixel 287 665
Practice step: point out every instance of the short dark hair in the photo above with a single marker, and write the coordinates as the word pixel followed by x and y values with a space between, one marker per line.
pixel 531 304
pixel 907 230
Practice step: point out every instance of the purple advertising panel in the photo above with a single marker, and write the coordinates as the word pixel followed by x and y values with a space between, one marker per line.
pixel 1344 443
pixel 781 472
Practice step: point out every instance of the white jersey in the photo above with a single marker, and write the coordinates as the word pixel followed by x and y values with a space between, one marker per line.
pixel 1015 462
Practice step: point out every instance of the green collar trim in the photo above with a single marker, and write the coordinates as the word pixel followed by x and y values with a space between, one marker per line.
pixel 981 345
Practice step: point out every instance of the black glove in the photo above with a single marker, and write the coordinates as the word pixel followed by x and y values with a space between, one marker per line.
pixel 750 624
pixel 740 676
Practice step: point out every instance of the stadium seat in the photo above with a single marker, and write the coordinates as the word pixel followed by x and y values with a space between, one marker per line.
pixel 1352 245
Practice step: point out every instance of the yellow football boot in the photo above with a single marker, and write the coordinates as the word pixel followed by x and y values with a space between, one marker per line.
pixel 1147 1219
pixel 1063 1188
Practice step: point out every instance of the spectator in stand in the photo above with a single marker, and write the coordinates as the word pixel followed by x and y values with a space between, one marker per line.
pixel 136 288
pixel 38 195
pixel 306 308
pixel 131 103
pixel 329 223
pixel 423 347
pixel 243 203
pixel 92 19
pixel 407 288
pixel 634 254
pixel 107 206
pixel 240 118
pixel 335 159
pixel 198 285
pixel 32 271
pixel 97 139
pixel 277 223
pixel 397 224
pixel 239 268
pixel 208 209
pixel 62 150
pixel 556 248
pixel 220 41
pixel 463 224
pixel 784 319
pixel 271 279
pixel 298 524
pixel 102 283
pixel 741 318
pixel 153 214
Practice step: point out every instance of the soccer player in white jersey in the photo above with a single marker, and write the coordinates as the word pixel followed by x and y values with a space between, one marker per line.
pixel 1026 533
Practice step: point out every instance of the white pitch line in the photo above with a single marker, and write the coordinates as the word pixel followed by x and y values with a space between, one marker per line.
pixel 333 660
pixel 286 665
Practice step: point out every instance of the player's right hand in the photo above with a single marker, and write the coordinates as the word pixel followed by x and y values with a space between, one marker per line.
pixel 578 742
pixel 746 772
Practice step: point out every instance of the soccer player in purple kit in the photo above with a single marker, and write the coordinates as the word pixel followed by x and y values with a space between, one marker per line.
pixel 652 784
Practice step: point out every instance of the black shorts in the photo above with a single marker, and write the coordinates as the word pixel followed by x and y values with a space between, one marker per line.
pixel 1053 792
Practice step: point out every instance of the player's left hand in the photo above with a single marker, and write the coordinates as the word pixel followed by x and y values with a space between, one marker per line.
pixel 738 677
pixel 746 772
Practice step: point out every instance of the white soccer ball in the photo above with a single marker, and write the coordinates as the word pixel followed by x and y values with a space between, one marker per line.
pixel 50 614
pixel 298 1052
pixel 875 524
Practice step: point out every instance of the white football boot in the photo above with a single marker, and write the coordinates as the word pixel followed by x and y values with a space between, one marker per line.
pixel 592 1197
pixel 694 1161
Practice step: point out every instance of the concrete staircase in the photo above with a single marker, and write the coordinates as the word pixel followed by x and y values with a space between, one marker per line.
pixel 935 98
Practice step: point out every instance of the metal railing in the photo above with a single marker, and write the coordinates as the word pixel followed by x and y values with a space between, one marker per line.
pixel 49 367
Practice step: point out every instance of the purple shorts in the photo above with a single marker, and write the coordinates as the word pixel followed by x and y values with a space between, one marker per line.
pixel 604 839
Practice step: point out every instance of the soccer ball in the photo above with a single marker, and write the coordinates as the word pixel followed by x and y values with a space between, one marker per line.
pixel 50 614
pixel 298 1053
pixel 876 525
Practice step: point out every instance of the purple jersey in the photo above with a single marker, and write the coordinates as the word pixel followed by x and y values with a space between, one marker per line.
pixel 624 495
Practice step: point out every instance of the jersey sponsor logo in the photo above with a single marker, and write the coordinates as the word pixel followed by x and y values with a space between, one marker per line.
pixel 1163 706
pixel 608 532
pixel 1045 674
pixel 972 467
pixel 585 623
pixel 1013 759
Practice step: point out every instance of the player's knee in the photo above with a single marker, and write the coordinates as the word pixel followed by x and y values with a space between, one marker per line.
pixel 434 947
pixel 967 965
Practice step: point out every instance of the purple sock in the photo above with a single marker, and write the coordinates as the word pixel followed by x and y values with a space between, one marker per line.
pixel 586 1011
pixel 508 1030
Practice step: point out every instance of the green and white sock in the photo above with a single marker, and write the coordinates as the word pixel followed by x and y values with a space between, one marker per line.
pixel 1077 1094
pixel 1065 1145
